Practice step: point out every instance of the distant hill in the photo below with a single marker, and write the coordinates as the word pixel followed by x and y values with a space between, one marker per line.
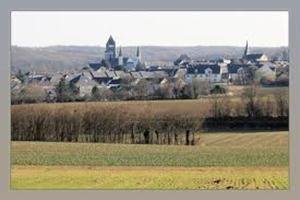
pixel 66 58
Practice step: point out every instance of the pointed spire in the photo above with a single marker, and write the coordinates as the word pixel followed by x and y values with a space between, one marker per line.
pixel 246 49
pixel 110 40
pixel 120 51
pixel 138 52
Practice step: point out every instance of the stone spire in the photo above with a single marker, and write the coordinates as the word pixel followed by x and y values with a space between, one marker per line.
pixel 246 49
pixel 138 53
pixel 120 52
pixel 111 40
pixel 120 57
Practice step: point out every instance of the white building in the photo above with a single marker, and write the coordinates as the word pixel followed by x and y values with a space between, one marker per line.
pixel 209 72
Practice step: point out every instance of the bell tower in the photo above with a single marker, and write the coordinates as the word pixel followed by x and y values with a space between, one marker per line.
pixel 110 51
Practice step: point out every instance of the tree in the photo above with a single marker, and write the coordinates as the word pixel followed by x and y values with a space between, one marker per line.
pixel 218 90
pixel 199 87
pixel 179 88
pixel 251 78
pixel 166 90
pixel 32 94
pixel 65 92
pixel 251 101
pixel 96 93
pixel 142 90
pixel 220 106
pixel 102 94
pixel 282 103
pixel 21 76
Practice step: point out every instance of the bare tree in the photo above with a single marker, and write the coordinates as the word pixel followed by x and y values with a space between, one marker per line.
pixel 220 106
pixel 282 103
pixel 251 101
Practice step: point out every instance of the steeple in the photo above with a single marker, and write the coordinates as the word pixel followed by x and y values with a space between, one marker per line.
pixel 246 50
pixel 120 57
pixel 138 53
pixel 120 52
pixel 111 41
pixel 110 51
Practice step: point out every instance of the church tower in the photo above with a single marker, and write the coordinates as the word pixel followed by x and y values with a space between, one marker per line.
pixel 246 50
pixel 138 54
pixel 120 57
pixel 110 51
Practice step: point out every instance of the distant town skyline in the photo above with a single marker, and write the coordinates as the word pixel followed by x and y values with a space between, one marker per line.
pixel 150 28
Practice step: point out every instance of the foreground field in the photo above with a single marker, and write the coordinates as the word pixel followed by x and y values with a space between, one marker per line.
pixel 220 161
pixel 69 177
pixel 238 149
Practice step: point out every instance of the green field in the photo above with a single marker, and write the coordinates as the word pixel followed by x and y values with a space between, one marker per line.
pixel 219 161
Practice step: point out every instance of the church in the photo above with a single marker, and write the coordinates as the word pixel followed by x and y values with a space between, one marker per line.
pixel 254 58
pixel 113 60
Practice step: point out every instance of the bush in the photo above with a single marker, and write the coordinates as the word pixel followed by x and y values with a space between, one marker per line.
pixel 218 90
pixel 30 94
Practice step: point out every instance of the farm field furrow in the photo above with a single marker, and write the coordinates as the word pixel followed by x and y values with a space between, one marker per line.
pixel 219 161
pixel 70 177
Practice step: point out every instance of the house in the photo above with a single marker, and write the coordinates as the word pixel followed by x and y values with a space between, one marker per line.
pixel 95 66
pixel 114 83
pixel 55 78
pixel 224 61
pixel 111 74
pixel 85 83
pixel 170 70
pixel 152 68
pixel 160 74
pixel 34 78
pixel 207 72
pixel 147 75
pixel 236 72
pixel 257 57
pixel 182 60
pixel 101 76
pixel 123 75
pixel 15 84
pixel 136 75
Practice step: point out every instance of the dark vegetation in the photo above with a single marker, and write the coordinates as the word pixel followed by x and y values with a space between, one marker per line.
pixel 145 123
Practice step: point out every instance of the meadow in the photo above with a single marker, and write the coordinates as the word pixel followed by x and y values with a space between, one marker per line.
pixel 153 144
pixel 219 161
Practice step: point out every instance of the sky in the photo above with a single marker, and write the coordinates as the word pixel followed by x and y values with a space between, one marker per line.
pixel 163 28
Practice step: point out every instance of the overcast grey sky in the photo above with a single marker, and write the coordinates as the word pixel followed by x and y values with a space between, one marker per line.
pixel 262 28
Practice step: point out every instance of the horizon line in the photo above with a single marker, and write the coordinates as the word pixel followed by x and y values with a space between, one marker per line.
pixel 124 46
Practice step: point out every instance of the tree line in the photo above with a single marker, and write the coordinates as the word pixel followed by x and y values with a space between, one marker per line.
pixel 92 122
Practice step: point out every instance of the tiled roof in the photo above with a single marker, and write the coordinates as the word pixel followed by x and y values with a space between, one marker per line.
pixel 254 56
pixel 95 66
pixel 200 69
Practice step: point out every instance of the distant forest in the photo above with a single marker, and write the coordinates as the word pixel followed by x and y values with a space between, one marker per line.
pixel 67 58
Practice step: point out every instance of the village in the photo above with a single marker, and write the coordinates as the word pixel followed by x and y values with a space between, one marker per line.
pixel 129 78
pixel 150 100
